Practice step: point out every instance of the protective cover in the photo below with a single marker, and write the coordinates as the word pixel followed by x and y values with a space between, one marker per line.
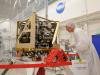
pixel 10 12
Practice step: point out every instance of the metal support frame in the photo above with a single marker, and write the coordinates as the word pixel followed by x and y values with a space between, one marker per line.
pixel 46 9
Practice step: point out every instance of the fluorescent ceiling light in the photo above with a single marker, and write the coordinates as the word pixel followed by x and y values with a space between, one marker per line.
pixel 29 0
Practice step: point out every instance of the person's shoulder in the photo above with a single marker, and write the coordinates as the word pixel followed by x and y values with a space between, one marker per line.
pixel 78 29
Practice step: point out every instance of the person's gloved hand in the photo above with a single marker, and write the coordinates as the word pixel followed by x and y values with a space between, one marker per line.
pixel 72 46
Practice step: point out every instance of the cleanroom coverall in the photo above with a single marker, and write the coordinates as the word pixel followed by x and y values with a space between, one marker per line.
pixel 87 51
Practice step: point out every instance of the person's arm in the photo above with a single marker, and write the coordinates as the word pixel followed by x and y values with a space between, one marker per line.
pixel 82 41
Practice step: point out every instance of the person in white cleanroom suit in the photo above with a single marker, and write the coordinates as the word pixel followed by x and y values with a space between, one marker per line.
pixel 85 48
